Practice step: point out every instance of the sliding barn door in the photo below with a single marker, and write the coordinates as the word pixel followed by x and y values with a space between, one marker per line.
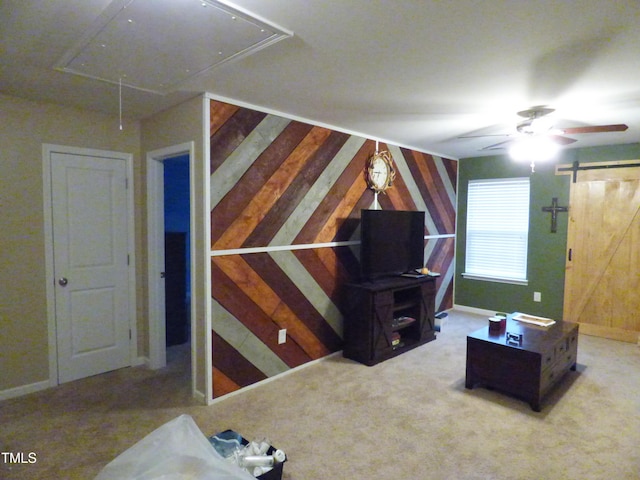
pixel 603 258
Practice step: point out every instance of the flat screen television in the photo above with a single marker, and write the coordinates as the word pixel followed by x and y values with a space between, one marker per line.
pixel 391 242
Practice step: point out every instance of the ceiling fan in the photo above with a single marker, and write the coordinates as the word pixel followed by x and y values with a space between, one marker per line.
pixel 536 123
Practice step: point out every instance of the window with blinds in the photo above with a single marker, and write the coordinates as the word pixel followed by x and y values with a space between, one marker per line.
pixel 497 230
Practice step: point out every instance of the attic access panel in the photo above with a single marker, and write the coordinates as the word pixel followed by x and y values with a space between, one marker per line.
pixel 155 45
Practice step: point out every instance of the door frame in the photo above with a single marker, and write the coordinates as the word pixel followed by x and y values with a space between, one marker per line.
pixel 47 150
pixel 155 251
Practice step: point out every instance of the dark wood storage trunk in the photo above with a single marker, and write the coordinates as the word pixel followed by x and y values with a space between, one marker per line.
pixel 528 369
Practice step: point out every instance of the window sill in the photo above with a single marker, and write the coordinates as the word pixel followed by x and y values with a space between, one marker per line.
pixel 487 278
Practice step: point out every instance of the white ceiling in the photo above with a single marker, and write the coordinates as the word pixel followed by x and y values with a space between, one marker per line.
pixel 420 74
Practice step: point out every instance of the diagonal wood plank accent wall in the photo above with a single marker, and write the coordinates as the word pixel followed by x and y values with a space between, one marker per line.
pixel 285 208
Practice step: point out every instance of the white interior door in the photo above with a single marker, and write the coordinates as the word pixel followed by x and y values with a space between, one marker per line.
pixel 90 256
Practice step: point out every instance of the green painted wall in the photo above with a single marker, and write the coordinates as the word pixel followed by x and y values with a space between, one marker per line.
pixel 546 253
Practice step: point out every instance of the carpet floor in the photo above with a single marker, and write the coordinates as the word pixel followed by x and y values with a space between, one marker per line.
pixel 410 417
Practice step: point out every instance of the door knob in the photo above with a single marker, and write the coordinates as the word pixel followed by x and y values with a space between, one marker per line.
pixel 63 281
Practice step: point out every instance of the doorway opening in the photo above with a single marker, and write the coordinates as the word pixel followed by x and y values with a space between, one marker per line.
pixel 170 259
pixel 177 234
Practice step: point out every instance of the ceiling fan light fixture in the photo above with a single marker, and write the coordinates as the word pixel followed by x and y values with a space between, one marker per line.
pixel 534 148
pixel 536 126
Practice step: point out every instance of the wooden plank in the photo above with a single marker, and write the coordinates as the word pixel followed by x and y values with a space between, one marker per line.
pixel 231 134
pixel 451 166
pixel 234 299
pixel 264 296
pixel 289 200
pixel 603 331
pixel 431 188
pixel 344 199
pixel 440 208
pixel 270 190
pixel 222 384
pixel 604 234
pixel 440 260
pixel 326 220
pixel 299 306
pixel 254 181
pixel 233 365
pixel 313 197
pixel 441 255
pixel 219 113
pixel 327 267
pixel 399 195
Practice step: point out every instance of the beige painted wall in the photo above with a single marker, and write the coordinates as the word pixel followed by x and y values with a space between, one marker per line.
pixel 181 124
pixel 24 127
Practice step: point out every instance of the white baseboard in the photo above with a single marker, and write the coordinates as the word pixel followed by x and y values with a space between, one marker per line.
pixel 24 390
pixel 479 311
pixel 38 386
pixel 200 397
pixel 140 361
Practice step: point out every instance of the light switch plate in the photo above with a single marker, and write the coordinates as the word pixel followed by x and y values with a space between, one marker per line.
pixel 282 336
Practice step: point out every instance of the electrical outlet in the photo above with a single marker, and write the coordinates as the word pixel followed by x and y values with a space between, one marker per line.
pixel 282 336
pixel 537 297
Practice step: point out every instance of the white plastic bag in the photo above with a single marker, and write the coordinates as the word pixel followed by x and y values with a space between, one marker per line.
pixel 178 450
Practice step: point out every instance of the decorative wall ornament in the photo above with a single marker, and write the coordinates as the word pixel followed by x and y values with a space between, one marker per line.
pixel 380 172
pixel 553 210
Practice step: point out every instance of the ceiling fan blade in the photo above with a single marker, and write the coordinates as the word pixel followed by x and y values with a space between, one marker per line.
pixel 497 146
pixel 488 135
pixel 560 140
pixel 619 127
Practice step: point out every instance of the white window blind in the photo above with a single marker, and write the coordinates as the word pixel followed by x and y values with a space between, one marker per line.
pixel 497 229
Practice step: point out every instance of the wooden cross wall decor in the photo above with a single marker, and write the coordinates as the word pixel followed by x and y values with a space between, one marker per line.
pixel 554 209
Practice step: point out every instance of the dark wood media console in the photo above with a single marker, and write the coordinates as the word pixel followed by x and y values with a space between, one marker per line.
pixel 388 317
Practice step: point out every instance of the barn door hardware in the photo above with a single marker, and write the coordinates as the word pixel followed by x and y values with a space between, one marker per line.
pixel 576 166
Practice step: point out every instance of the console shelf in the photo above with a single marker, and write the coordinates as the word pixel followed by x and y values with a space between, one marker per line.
pixel 373 330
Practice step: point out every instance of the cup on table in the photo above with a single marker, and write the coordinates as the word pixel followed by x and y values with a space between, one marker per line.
pixel 503 319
